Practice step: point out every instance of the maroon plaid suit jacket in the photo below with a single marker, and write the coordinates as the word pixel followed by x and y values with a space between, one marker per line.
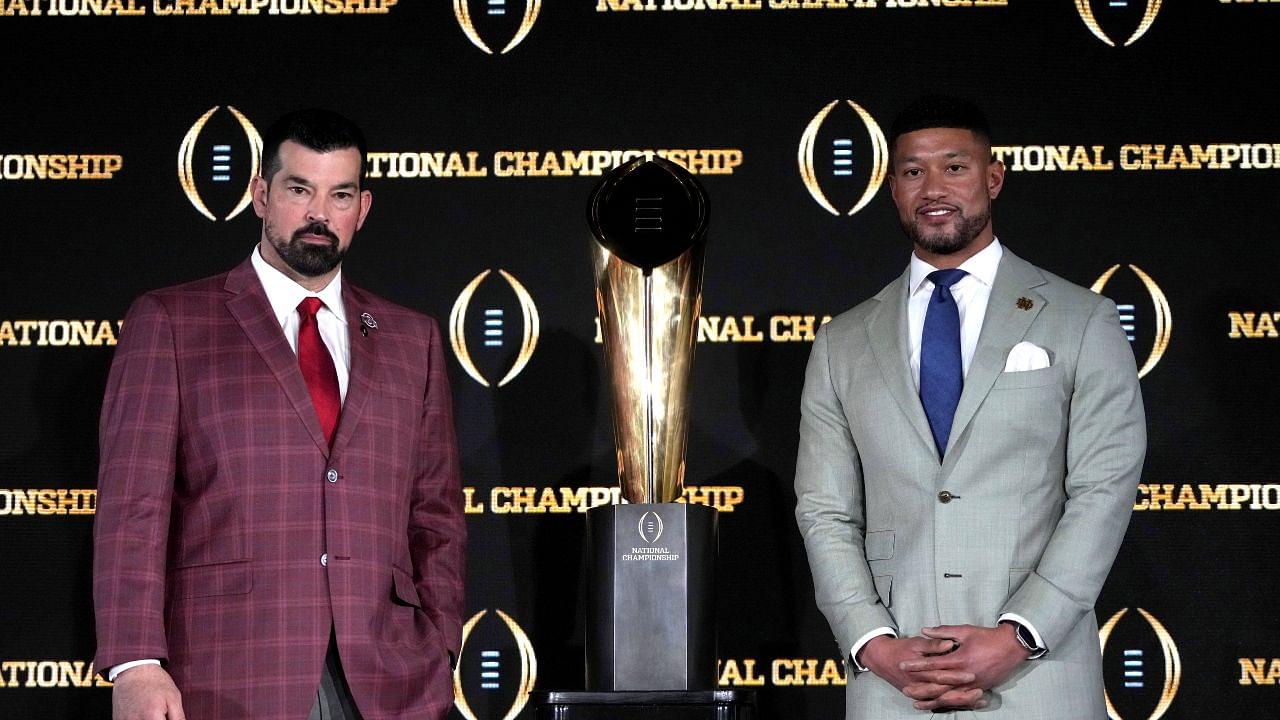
pixel 217 496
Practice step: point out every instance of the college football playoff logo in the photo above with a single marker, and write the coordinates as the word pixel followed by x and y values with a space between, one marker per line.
pixel 496 669
pixel 217 160
pixel 1141 666
pixel 500 304
pixel 496 18
pixel 1118 13
pixel 650 527
pixel 850 167
pixel 1160 319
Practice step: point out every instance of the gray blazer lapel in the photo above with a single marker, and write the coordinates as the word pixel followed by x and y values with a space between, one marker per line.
pixel 887 332
pixel 1005 325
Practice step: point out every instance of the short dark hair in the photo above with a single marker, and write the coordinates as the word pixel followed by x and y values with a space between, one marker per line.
pixel 939 111
pixel 315 128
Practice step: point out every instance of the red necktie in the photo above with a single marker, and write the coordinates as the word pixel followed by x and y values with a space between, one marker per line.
pixel 317 368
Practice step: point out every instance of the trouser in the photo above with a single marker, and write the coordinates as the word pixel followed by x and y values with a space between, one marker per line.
pixel 333 697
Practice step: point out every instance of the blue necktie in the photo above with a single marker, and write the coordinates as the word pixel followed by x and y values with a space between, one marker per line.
pixel 941 372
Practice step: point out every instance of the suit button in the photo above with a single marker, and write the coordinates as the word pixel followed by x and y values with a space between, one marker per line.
pixel 945 497
pixel 324 560
pixel 332 475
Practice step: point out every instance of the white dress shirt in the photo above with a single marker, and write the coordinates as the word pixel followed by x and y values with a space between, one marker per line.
pixel 284 295
pixel 971 293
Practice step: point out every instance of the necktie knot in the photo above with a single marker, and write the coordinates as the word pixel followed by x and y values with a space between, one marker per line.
pixel 310 306
pixel 946 278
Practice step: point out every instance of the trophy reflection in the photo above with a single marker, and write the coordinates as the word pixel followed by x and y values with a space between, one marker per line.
pixel 650 611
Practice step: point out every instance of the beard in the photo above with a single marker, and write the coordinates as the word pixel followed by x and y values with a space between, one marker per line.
pixel 307 259
pixel 946 243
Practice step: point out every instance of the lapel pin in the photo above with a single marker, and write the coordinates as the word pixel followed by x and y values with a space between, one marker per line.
pixel 1023 303
pixel 367 323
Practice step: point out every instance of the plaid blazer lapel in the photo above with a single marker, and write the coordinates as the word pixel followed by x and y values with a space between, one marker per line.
pixel 251 309
pixel 364 364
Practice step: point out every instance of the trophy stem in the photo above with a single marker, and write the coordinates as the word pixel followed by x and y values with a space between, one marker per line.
pixel 650 476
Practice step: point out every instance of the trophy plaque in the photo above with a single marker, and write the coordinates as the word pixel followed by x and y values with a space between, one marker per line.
pixel 650 622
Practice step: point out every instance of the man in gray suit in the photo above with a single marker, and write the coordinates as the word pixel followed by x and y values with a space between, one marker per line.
pixel 971 440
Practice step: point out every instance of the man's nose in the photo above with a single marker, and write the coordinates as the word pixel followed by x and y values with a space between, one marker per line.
pixel 316 211
pixel 933 186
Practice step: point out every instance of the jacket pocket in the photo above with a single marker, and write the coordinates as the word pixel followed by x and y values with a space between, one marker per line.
pixel 884 588
pixel 234 577
pixel 403 589
pixel 1016 578
pixel 1028 378
pixel 407 622
pixel 878 545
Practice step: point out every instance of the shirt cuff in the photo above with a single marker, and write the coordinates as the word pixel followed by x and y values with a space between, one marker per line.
pixel 853 654
pixel 117 669
pixel 1040 648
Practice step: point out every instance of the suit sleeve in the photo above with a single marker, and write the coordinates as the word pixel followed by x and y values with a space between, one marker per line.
pixel 137 440
pixel 1106 445
pixel 830 508
pixel 437 527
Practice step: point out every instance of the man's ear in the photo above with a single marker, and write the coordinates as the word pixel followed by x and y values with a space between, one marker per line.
pixel 258 186
pixel 995 178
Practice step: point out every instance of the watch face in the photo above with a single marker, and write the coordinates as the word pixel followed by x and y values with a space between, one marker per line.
pixel 1025 637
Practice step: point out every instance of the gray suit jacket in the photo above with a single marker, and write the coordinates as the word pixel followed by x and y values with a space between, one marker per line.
pixel 1043 464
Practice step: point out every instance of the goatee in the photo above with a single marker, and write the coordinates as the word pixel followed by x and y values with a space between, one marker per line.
pixel 944 243
pixel 306 258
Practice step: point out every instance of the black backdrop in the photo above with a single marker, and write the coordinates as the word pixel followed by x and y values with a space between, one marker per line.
pixel 744 84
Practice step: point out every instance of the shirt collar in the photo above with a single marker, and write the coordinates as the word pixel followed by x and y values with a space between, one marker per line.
pixel 982 266
pixel 284 294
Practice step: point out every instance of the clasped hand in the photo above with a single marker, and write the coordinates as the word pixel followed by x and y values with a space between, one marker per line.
pixel 946 667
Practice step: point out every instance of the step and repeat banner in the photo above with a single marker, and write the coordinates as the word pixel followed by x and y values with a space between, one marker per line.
pixel 1143 151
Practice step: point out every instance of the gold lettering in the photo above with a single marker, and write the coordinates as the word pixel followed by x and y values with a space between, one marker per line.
pixel 1252 671
pixel 469 506
pixel 733 675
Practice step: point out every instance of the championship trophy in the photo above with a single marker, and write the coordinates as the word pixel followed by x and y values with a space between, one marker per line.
pixel 650 620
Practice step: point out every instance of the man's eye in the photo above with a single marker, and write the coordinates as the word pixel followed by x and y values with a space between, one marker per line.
pixel 296 190
pixel 956 168
pixel 913 172
pixel 343 195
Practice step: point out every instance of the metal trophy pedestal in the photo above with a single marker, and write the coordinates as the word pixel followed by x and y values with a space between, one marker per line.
pixel 699 705
pixel 651 597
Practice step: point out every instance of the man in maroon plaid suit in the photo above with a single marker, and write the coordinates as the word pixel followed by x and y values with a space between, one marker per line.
pixel 279 527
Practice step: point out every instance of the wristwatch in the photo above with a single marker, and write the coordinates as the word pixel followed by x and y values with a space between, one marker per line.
pixel 1025 638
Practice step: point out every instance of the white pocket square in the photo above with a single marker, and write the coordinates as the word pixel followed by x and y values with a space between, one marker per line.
pixel 1026 356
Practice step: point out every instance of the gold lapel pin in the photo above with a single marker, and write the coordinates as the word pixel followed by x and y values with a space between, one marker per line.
pixel 1025 303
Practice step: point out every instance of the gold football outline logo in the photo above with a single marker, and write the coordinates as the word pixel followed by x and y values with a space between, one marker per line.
pixel 458 319
pixel 1148 17
pixel 1164 315
pixel 528 667
pixel 186 151
pixel 1172 662
pixel 879 157
pixel 463 13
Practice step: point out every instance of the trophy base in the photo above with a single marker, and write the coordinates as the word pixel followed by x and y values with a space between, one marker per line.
pixel 651 597
pixel 673 705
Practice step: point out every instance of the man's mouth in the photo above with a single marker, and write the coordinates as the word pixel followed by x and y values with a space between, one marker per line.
pixel 937 211
pixel 318 235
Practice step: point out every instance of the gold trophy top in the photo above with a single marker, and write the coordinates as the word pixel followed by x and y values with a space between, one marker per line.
pixel 649 221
